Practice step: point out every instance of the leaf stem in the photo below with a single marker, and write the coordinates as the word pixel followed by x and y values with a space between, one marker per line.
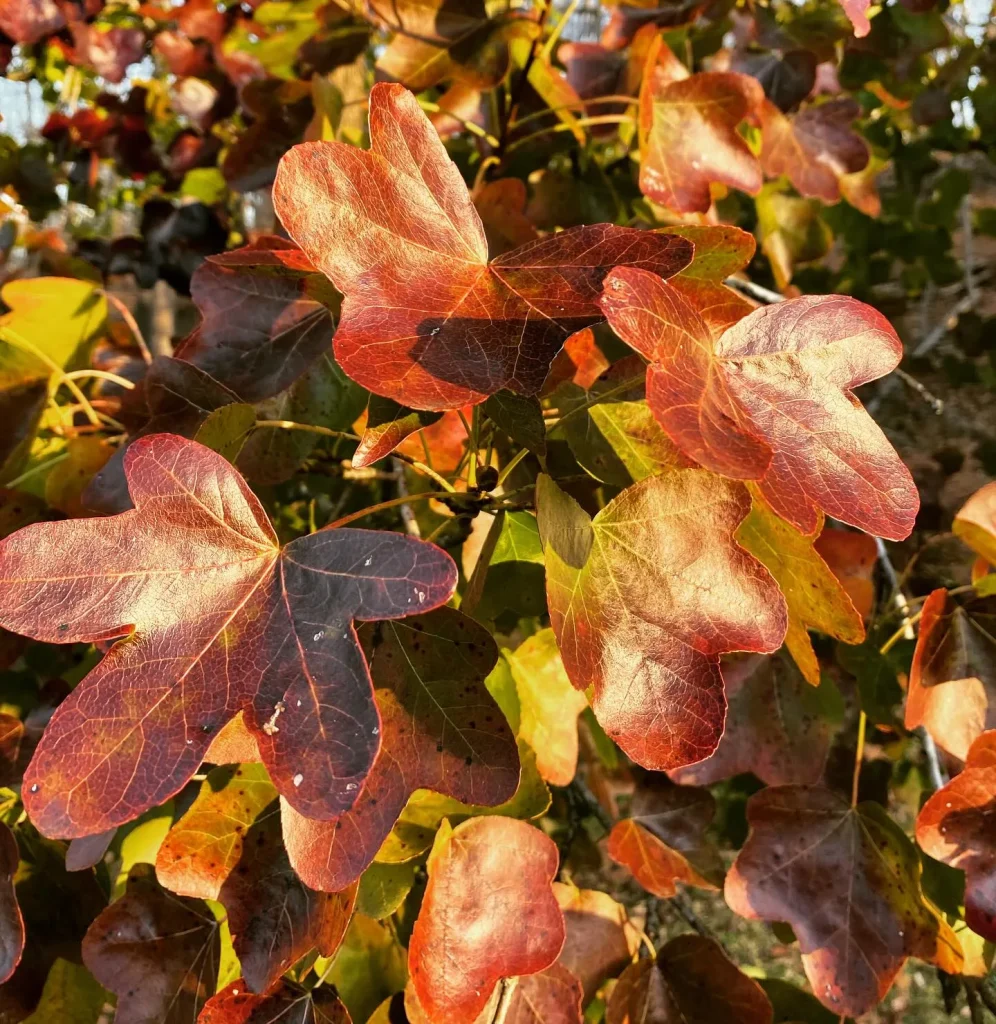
pixel 859 755
pixel 132 323
pixel 519 456
pixel 581 122
pixel 600 397
pixel 393 503
pixel 470 126
pixel 35 470
pixel 123 382
pixel 573 106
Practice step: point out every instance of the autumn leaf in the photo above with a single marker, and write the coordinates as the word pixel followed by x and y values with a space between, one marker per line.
pixel 600 939
pixel 282 1004
pixel 11 921
pixel 814 148
pixel 955 826
pixel 815 598
pixel 441 730
pixel 157 952
pixel 975 523
pixel 488 913
pixel 549 706
pixel 28 21
pixel 857 13
pixel 646 597
pixel 848 882
pixel 791 229
pixel 664 841
pixel 688 132
pixel 690 981
pixel 439 41
pixel 426 320
pixel 265 630
pixel 771 399
pixel 501 205
pixel 387 425
pixel 777 726
pixel 952 679
pixel 552 996
pixel 851 557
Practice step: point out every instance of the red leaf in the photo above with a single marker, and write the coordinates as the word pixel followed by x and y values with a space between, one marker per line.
pixel 664 842
pixel 848 882
pixel 29 21
pixel 441 730
pixel 158 952
pixel 688 132
pixel 11 922
pixel 774 727
pixel 388 424
pixel 814 148
pixel 691 981
pixel 851 558
pixel 426 320
pixel 282 1004
pixel 488 913
pixel 771 399
pixel 212 618
pixel 952 690
pixel 600 940
pixel 552 996
pixel 955 826
pixel 857 13
pixel 646 597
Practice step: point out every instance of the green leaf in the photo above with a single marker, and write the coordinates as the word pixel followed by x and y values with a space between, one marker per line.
pixel 71 996
pixel 383 888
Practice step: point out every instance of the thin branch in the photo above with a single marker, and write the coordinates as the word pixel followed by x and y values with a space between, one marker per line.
pixel 393 503
pixel 505 1001
pixel 126 315
pixel 754 291
pixel 407 513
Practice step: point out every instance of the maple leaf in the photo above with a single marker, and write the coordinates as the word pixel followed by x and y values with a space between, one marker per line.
pixel 952 679
pixel 814 148
pixel 488 913
pixel 771 399
pixel 851 557
pixel 814 596
pixel 777 726
pixel 426 319
pixel 12 934
pixel 387 425
pixel 228 847
pixel 847 879
pixel 549 706
pixel 955 826
pixel 689 981
pixel 157 952
pixel 600 940
pixel 501 205
pixel 663 840
pixel 213 617
pixel 646 597
pixel 688 132
pixel 281 1004
pixel 441 730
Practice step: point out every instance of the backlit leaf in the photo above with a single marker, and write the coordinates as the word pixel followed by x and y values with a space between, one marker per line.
pixel 955 826
pixel 851 557
pixel 690 981
pixel 266 631
pixel 488 913
pixel 848 882
pixel 975 522
pixel 281 1004
pixel 441 730
pixel 71 996
pixel 549 706
pixel 664 841
pixel 953 677
pixel 771 399
pixel 426 319
pixel 688 132
pixel 815 598
pixel 387 425
pixel 646 597
pixel 157 952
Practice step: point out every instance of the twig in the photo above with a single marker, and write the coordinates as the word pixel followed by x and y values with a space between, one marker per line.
pixel 928 396
pixel 505 1001
pixel 755 291
pixel 407 514
pixel 132 323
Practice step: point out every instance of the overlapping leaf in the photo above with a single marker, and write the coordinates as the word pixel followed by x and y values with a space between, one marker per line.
pixel 600 940
pixel 646 597
pixel 848 882
pixel 814 148
pixel 771 399
pixel 777 726
pixel 952 688
pixel 975 522
pixel 266 631
pixel 815 597
pixel 488 913
pixel 955 826
pixel 157 952
pixel 688 132
pixel 281 1004
pixel 552 996
pixel 426 320
pixel 663 841
pixel 11 921
pixel 441 730
pixel 851 557
pixel 690 981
